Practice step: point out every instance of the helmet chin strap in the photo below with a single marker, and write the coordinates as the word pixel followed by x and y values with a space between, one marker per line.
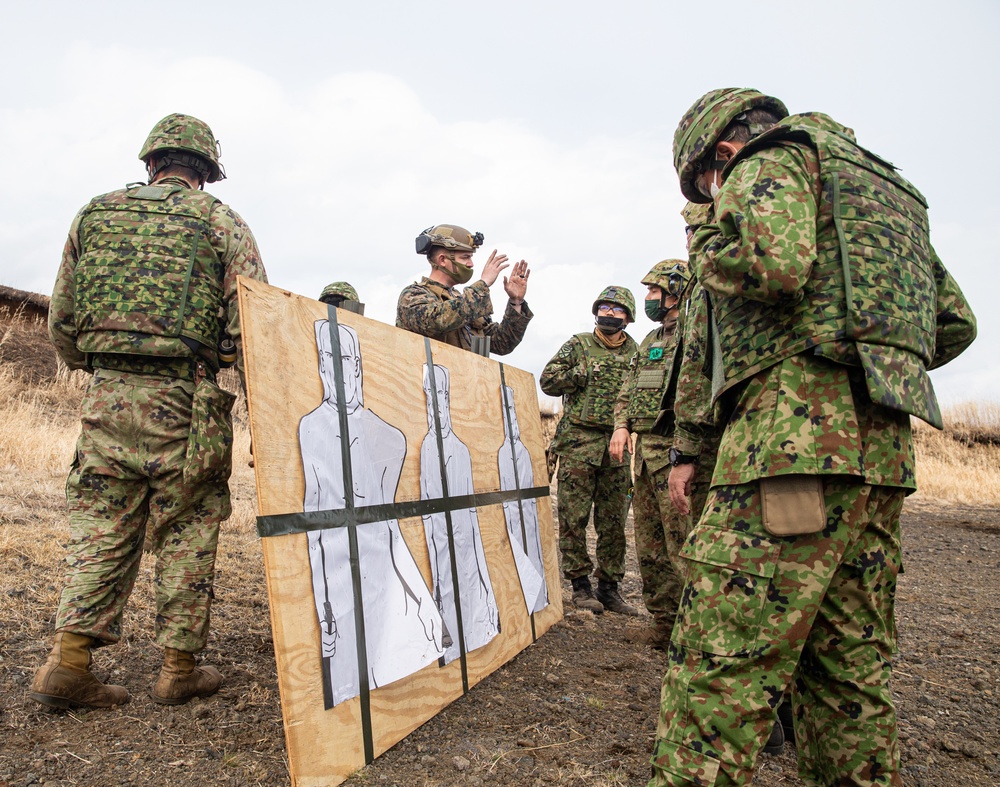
pixel 451 259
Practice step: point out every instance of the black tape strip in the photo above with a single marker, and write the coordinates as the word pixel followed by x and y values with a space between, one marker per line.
pixel 517 486
pixel 432 384
pixel 364 690
pixel 308 521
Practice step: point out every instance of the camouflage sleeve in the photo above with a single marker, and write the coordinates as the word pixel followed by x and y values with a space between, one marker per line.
pixel 693 411
pixel 625 394
pixel 956 324
pixel 234 243
pixel 507 334
pixel 420 310
pixel 566 372
pixel 763 243
pixel 62 316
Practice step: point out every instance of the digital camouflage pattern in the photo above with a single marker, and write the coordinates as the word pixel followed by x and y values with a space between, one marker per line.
pixel 454 317
pixel 702 124
pixel 154 454
pixel 339 290
pixel 696 428
pixel 604 487
pixel 671 276
pixel 659 531
pixel 814 612
pixel 760 613
pixel 658 528
pixel 186 134
pixel 796 200
pixel 233 244
pixel 587 374
pixel 620 296
pixel 152 465
pixel 147 276
pixel 651 370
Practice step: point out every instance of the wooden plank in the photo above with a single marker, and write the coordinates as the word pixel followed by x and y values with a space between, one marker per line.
pixel 326 745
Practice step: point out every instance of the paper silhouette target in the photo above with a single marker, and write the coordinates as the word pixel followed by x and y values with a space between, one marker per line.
pixel 521 516
pixel 351 499
pixel 402 627
pixel 446 471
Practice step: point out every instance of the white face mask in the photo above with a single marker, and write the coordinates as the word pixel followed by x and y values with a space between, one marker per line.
pixel 713 187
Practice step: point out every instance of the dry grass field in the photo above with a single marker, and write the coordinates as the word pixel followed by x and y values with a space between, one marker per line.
pixel 577 708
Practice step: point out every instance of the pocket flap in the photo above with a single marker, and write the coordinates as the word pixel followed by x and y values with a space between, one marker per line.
pixel 743 552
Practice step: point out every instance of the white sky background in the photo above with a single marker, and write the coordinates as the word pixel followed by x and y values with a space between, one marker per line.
pixel 347 128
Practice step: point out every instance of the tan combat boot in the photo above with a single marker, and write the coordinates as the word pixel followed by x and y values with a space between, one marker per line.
pixel 608 595
pixel 180 680
pixel 583 596
pixel 65 679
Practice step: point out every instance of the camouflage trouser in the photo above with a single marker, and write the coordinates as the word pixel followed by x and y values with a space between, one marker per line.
pixel 659 533
pixel 606 489
pixel 762 613
pixel 152 463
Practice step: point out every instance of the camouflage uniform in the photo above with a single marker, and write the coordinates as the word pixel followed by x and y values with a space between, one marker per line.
pixel 696 429
pixel 588 476
pixel 658 527
pixel 154 455
pixel 762 611
pixel 454 316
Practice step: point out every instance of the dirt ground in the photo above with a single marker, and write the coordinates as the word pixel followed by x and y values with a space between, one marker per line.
pixel 576 708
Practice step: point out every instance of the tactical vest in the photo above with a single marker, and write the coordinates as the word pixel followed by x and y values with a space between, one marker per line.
pixel 872 282
pixel 655 369
pixel 594 407
pixel 148 278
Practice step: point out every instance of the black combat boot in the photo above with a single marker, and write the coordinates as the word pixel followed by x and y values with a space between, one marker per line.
pixel 776 743
pixel 583 596
pixel 785 717
pixel 608 595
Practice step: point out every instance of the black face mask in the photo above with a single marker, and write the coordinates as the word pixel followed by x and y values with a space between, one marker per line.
pixel 610 325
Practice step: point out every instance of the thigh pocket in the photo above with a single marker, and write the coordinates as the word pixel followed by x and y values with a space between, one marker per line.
pixel 210 441
pixel 725 598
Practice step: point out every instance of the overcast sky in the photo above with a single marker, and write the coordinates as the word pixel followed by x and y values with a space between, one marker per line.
pixel 347 128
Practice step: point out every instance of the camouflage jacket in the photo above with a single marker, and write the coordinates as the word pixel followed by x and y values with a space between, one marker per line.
pixel 820 245
pixel 585 428
pixel 804 412
pixel 694 416
pixel 454 317
pixel 229 237
pixel 651 450
pixel 648 381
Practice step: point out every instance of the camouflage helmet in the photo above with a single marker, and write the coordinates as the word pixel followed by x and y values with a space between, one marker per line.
pixel 695 215
pixel 702 124
pixel 620 296
pixel 671 276
pixel 339 290
pixel 450 237
pixel 183 136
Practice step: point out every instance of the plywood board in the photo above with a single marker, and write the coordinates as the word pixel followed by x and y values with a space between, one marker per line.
pixel 326 744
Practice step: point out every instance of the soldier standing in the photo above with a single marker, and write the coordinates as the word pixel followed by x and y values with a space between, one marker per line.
pixel 659 528
pixel 830 304
pixel 433 307
pixel 587 372
pixel 144 299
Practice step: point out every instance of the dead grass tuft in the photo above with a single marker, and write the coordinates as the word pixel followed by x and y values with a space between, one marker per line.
pixel 961 464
